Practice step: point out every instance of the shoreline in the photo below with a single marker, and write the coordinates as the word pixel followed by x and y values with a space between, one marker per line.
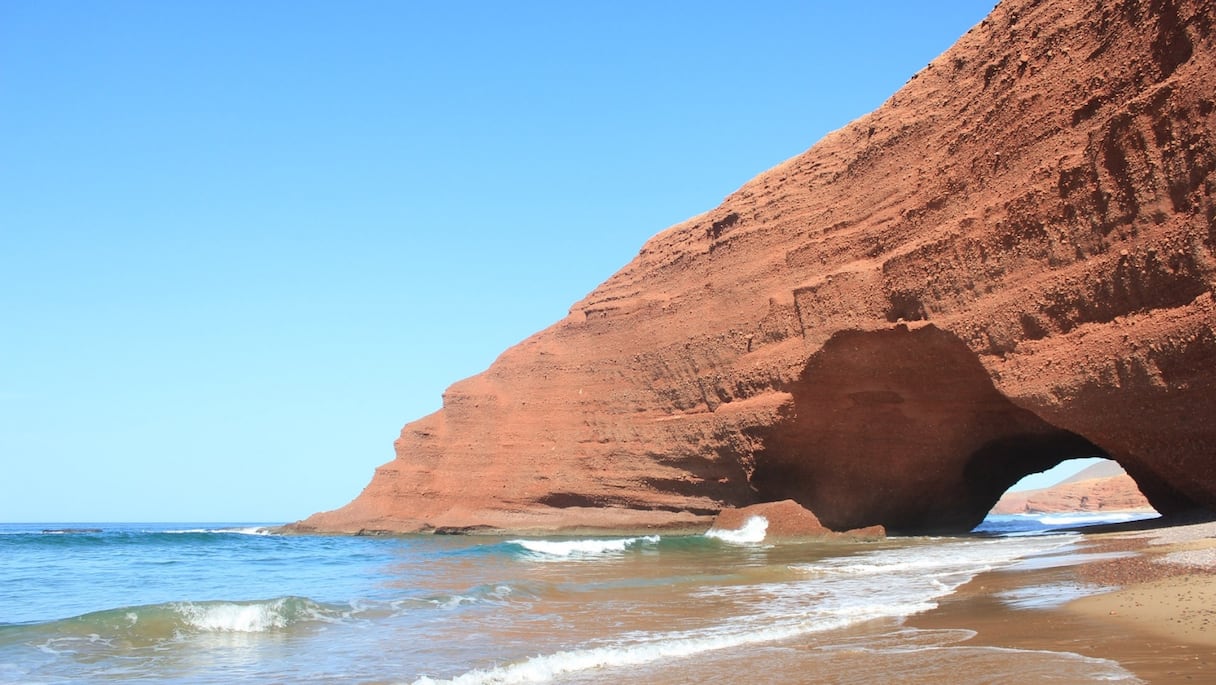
pixel 1143 597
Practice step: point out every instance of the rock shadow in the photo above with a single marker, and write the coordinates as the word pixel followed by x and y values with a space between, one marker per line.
pixel 904 428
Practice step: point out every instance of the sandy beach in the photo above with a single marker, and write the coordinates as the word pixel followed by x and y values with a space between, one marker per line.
pixel 1144 598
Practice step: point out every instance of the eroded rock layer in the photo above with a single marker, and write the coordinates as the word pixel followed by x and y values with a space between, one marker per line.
pixel 1113 493
pixel 1008 264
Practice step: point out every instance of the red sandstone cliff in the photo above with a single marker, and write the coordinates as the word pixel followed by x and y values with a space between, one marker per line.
pixel 1102 487
pixel 1007 264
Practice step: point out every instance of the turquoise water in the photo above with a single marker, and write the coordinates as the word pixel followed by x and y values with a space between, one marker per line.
pixel 223 603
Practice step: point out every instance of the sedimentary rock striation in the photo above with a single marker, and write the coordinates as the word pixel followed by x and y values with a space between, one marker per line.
pixel 1113 493
pixel 1008 264
pixel 1104 486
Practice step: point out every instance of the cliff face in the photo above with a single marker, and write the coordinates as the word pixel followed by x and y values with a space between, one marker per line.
pixel 1115 493
pixel 1008 264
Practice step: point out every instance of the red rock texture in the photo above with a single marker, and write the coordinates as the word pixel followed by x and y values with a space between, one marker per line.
pixel 1115 493
pixel 788 520
pixel 1008 264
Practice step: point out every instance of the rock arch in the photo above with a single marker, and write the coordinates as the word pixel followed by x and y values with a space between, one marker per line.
pixel 903 427
pixel 1055 213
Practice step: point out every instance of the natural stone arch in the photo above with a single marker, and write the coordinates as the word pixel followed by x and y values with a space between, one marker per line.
pixel 904 428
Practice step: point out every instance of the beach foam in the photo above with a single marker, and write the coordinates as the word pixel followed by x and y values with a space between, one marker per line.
pixel 539 669
pixel 834 594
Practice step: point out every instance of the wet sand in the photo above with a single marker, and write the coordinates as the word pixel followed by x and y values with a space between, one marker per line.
pixel 1146 599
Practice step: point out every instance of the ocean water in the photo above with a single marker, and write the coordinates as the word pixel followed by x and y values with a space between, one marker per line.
pixel 225 603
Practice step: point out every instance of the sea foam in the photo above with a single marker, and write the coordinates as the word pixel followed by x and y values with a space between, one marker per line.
pixel 754 529
pixel 244 530
pixel 582 548
pixel 1089 519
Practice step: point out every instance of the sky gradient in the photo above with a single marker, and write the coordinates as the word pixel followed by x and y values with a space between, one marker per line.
pixel 241 244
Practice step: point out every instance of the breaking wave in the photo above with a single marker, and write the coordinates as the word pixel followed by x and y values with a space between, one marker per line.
pixel 250 617
pixel 156 623
pixel 566 549
pixel 1085 519
pixel 754 530
pixel 240 530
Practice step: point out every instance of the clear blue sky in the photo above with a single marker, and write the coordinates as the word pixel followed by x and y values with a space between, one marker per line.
pixel 243 243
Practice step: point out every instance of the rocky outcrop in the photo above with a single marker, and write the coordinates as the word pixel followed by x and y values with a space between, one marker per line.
pixel 1008 264
pixel 783 521
pixel 1115 493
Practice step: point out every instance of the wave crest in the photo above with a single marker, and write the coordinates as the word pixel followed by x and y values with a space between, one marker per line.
pixel 754 529
pixel 249 617
pixel 155 623
pixel 582 548
pixel 1088 518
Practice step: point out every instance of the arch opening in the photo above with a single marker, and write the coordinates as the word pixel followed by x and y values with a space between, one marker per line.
pixel 903 428
pixel 1074 493
pixel 1068 470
